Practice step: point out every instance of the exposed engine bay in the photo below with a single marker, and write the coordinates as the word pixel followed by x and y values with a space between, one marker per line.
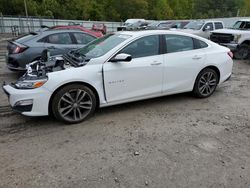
pixel 39 69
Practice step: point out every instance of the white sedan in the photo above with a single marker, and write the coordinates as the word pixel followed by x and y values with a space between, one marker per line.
pixel 118 68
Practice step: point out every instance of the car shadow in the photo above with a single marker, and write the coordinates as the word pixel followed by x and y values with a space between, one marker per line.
pixel 24 123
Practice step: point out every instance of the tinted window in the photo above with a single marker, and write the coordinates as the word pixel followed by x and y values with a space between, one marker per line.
pixel 218 25
pixel 199 44
pixel 59 38
pixel 82 38
pixel 178 43
pixel 211 26
pixel 146 46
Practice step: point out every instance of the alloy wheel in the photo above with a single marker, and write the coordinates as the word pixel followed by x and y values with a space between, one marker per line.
pixel 207 83
pixel 75 105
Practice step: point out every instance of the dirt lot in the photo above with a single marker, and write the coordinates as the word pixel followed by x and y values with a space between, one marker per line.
pixel 174 141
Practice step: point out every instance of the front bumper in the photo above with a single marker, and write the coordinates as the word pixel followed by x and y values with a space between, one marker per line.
pixel 40 100
pixel 231 46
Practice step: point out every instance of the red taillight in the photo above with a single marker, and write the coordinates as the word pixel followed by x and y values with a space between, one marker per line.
pixel 19 49
pixel 231 54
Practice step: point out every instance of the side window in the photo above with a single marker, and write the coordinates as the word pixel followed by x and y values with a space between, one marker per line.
pixel 143 47
pixel 59 38
pixel 208 25
pixel 178 43
pixel 44 39
pixel 82 38
pixel 199 44
pixel 247 25
pixel 218 25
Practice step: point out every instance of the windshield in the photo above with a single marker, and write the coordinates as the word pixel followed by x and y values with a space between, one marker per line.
pixel 102 45
pixel 197 25
pixel 241 25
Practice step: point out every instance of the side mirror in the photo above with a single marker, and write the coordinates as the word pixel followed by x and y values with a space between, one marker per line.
pixel 208 28
pixel 121 57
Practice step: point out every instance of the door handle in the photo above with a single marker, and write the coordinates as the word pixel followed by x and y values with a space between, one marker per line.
pixel 196 57
pixel 156 63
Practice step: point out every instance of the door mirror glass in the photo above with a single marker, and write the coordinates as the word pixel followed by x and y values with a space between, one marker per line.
pixel 207 28
pixel 121 57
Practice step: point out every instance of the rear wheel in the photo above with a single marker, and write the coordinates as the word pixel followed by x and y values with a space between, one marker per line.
pixel 73 103
pixel 206 83
pixel 242 52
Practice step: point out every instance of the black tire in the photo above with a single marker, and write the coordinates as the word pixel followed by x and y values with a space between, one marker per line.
pixel 73 103
pixel 206 83
pixel 242 52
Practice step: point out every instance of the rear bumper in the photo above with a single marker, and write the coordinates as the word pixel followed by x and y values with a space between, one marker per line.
pixel 14 62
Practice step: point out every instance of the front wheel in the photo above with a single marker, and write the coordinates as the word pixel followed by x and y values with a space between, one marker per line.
pixel 73 103
pixel 206 83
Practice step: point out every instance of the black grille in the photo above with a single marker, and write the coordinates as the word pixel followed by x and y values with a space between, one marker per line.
pixel 221 38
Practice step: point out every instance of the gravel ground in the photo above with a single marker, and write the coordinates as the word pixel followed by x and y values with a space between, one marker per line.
pixel 173 141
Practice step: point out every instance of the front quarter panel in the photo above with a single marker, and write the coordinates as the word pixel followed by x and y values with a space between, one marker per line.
pixel 90 74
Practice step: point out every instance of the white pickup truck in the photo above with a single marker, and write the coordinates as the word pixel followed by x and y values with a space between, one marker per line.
pixel 236 38
pixel 202 28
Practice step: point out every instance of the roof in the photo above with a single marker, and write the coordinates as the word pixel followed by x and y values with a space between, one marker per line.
pixel 244 20
pixel 148 32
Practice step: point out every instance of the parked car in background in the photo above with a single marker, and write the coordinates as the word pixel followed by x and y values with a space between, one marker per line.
pixel 119 68
pixel 100 27
pixel 202 28
pixel 159 25
pixel 133 24
pixel 236 38
pixel 167 25
pixel 29 47
pixel 77 27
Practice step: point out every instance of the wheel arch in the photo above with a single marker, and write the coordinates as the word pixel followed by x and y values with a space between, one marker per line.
pixel 70 83
pixel 216 69
pixel 246 42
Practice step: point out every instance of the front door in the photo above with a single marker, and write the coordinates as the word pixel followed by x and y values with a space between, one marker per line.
pixel 141 77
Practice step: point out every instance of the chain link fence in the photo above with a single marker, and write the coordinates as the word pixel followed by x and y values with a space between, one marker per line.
pixel 20 25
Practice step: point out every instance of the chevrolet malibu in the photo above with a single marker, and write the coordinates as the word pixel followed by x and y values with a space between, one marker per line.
pixel 118 68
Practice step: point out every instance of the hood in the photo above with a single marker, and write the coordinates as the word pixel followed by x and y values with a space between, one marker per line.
pixel 230 31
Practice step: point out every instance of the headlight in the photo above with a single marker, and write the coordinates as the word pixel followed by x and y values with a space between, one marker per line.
pixel 30 84
pixel 237 38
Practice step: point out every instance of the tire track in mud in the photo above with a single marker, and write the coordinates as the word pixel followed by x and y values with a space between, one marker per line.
pixel 5 109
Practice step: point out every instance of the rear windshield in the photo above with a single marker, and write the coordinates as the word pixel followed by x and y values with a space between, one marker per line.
pixel 25 38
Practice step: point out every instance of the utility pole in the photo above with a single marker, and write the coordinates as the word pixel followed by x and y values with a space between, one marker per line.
pixel 26 12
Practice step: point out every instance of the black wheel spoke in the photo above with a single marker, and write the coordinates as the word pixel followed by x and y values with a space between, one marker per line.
pixel 66 100
pixel 65 113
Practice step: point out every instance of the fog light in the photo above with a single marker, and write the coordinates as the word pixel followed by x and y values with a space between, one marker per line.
pixel 24 102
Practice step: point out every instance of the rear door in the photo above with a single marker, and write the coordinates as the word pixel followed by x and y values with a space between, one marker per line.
pixel 59 43
pixel 183 60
